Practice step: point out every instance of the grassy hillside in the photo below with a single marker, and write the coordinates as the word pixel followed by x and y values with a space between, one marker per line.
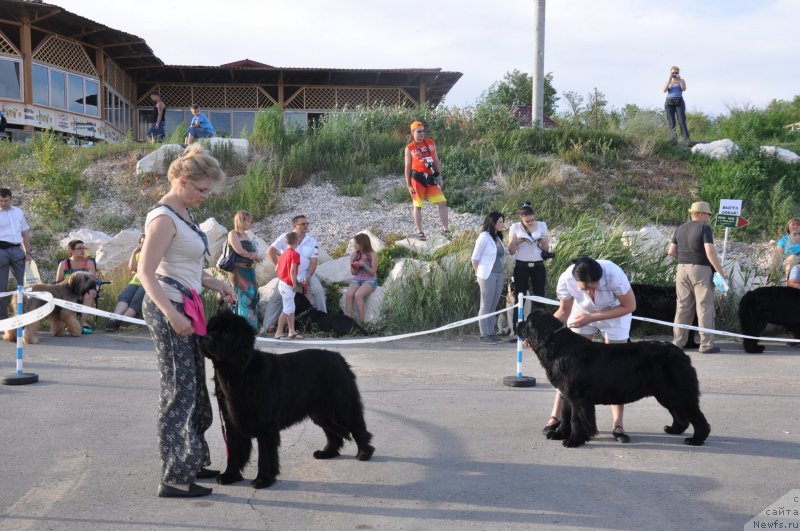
pixel 626 177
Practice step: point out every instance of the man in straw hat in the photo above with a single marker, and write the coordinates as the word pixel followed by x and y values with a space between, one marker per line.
pixel 693 246
pixel 423 177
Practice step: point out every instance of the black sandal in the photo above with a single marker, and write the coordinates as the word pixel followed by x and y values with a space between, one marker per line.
pixel 551 428
pixel 421 236
pixel 620 436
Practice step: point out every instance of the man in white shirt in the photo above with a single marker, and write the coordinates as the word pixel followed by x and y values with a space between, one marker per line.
pixel 308 248
pixel 15 245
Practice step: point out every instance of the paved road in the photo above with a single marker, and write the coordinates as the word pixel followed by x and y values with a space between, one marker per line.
pixel 455 448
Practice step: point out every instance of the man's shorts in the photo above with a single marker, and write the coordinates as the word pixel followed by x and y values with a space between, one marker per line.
pixel 433 194
pixel 617 329
pixel 157 132
pixel 287 296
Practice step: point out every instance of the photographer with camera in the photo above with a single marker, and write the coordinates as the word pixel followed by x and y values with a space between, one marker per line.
pixel 423 177
pixel 529 244
pixel 675 106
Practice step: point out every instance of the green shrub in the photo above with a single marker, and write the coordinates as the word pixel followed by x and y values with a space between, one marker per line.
pixel 56 183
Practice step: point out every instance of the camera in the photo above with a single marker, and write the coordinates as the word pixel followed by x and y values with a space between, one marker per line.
pixel 547 255
pixel 674 74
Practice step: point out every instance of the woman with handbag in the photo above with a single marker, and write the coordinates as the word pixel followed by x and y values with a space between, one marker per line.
pixel 171 271
pixel 674 106
pixel 528 240
pixel 244 272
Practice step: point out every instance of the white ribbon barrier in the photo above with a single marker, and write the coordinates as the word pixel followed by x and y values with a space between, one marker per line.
pixel 383 339
pixel 43 311
pixel 545 300
pixel 12 323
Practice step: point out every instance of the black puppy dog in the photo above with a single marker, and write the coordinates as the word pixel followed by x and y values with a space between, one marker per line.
pixel 772 304
pixel 659 302
pixel 309 319
pixel 259 394
pixel 589 373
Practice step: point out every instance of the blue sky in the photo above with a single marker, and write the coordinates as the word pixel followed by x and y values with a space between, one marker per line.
pixel 732 53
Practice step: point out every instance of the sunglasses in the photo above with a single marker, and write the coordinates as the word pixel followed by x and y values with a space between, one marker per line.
pixel 79 249
pixel 423 132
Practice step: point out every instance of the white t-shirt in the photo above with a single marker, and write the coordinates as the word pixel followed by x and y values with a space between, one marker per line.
pixel 12 225
pixel 308 250
pixel 528 251
pixel 613 284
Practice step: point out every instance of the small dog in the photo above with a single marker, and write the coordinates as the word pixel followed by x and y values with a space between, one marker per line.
pixel 771 304
pixel 588 373
pixel 73 289
pixel 259 394
pixel 309 319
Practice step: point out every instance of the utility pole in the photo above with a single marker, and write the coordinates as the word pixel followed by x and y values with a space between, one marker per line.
pixel 537 103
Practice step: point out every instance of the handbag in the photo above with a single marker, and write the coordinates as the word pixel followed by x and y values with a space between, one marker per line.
pixel 32 274
pixel 227 262
pixel 674 101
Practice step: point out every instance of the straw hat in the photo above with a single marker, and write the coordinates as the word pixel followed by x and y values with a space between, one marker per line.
pixel 700 207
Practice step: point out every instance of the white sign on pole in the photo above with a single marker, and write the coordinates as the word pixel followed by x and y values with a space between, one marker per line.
pixel 731 207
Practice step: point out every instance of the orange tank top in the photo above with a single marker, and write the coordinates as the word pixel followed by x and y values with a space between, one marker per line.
pixel 422 154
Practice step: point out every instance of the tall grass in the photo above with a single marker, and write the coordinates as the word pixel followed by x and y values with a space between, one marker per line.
pixel 258 192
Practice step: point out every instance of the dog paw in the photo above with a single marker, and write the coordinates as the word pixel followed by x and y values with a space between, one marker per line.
pixel 364 455
pixel 675 430
pixel 259 483
pixel 226 478
pixel 758 349
pixel 573 443
pixel 325 454
pixel 691 441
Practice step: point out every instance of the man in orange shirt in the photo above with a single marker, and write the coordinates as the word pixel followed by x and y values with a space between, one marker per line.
pixel 423 177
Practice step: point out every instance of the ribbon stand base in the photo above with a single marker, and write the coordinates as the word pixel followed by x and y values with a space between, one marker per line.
pixel 20 379
pixel 519 381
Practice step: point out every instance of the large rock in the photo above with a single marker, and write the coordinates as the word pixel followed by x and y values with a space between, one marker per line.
pixel 431 244
pixel 157 161
pixel 377 243
pixel 648 240
pixel 113 255
pixel 217 236
pixel 372 311
pixel 264 295
pixel 335 270
pixel 92 240
pixel 719 149
pixel 784 155
pixel 405 268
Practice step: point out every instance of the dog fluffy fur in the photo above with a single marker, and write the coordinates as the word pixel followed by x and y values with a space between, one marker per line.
pixel 259 394
pixel 588 373
pixel 309 319
pixel 772 304
pixel 73 289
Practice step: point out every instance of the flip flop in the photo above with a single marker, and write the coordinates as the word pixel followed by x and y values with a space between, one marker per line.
pixel 281 337
pixel 295 336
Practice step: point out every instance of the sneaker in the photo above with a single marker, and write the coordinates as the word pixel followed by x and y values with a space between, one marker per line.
pixel 86 330
pixel 113 325
pixel 712 350
pixel 496 339
pixel 489 340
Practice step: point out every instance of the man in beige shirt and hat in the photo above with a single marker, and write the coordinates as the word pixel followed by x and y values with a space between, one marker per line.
pixel 693 246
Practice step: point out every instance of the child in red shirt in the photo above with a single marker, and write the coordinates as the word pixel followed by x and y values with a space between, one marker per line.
pixel 287 266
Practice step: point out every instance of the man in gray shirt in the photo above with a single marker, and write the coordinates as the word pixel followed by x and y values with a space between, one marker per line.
pixel 693 246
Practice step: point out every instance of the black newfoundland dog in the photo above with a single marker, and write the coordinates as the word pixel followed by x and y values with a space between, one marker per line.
pixel 589 373
pixel 259 394
pixel 659 302
pixel 778 305
pixel 309 319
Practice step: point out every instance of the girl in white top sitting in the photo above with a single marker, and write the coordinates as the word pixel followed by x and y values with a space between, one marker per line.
pixel 488 258
pixel 526 241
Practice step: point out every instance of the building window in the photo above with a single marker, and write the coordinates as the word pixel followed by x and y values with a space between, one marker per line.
pixel 90 97
pixel 41 85
pixel 58 89
pixel 118 111
pixel 10 86
pixel 242 123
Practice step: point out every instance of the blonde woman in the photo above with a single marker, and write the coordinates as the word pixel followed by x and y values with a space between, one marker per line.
pixel 171 271
pixel 364 271
pixel 244 275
